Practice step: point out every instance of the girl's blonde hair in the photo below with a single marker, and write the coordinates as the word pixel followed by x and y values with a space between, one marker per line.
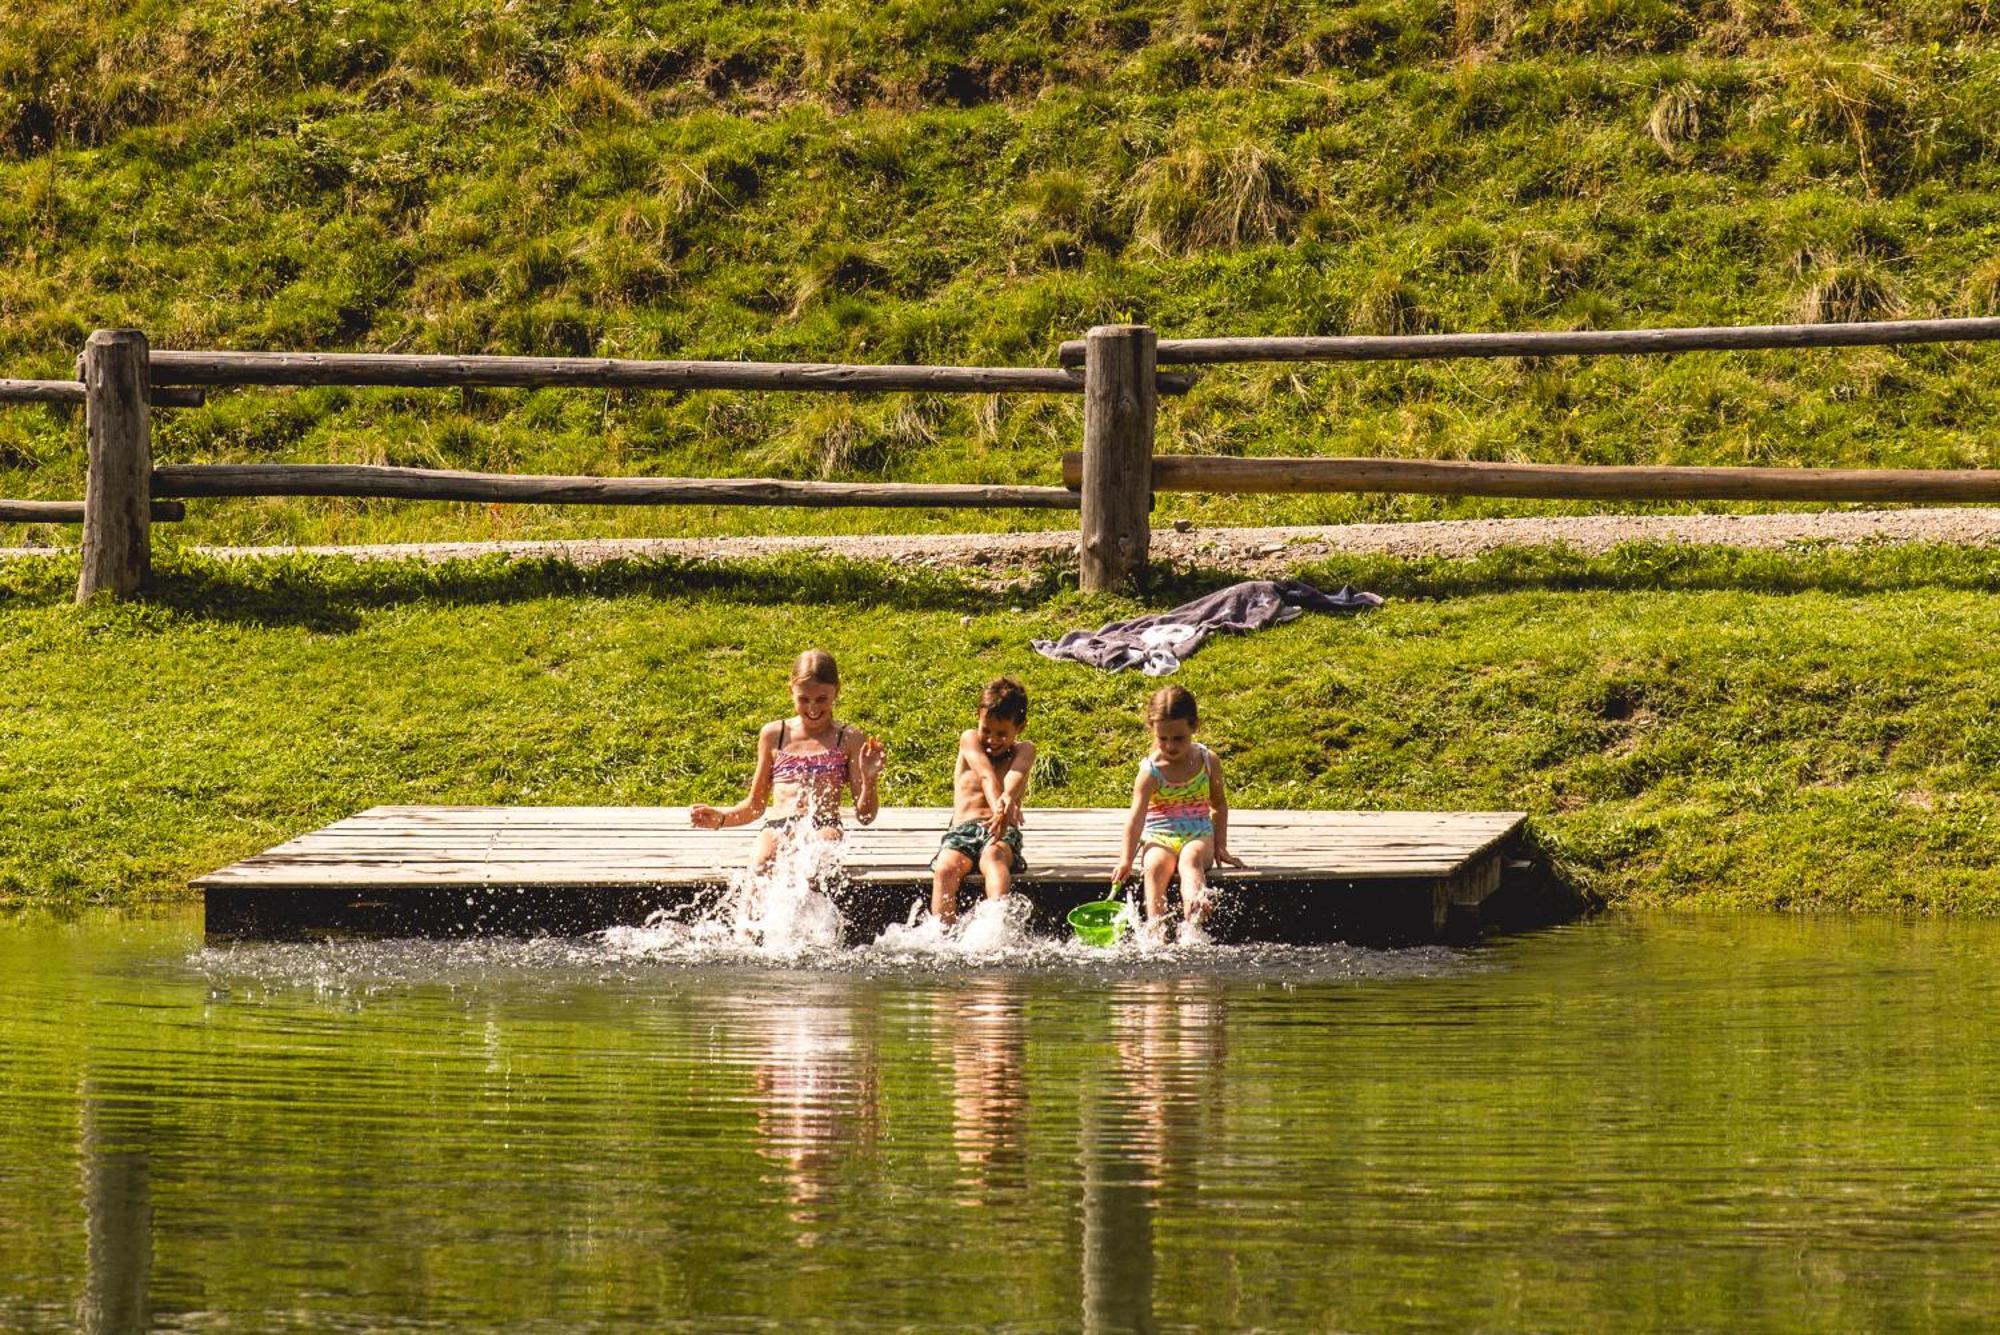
pixel 815 665
pixel 1172 702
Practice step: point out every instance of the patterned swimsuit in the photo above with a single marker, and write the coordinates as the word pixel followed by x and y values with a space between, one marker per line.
pixel 1179 813
pixel 817 775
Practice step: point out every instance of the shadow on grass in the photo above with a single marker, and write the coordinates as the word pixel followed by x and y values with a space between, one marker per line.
pixel 332 594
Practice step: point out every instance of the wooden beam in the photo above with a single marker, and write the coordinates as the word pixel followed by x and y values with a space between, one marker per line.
pixel 71 512
pixel 41 391
pixel 364 368
pixel 1452 477
pixel 117 498
pixel 1554 343
pixel 437 484
pixel 1120 410
pixel 174 367
pixel 71 391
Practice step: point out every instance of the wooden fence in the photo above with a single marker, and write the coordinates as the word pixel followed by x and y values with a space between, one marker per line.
pixel 1111 481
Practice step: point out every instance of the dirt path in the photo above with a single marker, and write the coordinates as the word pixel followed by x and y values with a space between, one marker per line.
pixel 1255 550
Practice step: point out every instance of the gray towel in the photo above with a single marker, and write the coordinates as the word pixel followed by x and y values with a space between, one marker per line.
pixel 1156 644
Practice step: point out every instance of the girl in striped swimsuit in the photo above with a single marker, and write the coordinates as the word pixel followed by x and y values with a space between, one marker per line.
pixel 803 764
pixel 1180 815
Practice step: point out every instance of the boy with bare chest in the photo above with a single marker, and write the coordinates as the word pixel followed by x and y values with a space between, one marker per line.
pixel 989 778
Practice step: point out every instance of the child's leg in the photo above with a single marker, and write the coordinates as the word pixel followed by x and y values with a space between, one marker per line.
pixel 947 872
pixel 1158 869
pixel 766 852
pixel 996 867
pixel 1195 860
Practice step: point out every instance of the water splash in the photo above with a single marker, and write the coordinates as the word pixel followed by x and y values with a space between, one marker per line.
pixel 786 911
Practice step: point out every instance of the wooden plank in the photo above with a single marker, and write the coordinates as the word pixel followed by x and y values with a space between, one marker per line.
pixel 443 484
pixel 1457 477
pixel 1558 342
pixel 41 391
pixel 489 847
pixel 71 512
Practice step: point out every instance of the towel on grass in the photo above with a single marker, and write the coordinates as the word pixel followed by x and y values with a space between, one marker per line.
pixel 1157 644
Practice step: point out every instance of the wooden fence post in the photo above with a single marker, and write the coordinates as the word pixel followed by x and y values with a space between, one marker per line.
pixel 117 491
pixel 1120 401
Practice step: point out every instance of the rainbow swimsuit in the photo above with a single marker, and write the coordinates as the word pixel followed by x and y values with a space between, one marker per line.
pixel 1179 813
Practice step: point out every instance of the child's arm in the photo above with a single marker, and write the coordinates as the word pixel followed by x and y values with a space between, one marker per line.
pixel 869 757
pixel 753 806
pixel 1014 784
pixel 973 756
pixel 1135 821
pixel 1218 802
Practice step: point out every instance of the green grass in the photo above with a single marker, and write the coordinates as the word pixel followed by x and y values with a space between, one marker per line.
pixel 1687 727
pixel 975 182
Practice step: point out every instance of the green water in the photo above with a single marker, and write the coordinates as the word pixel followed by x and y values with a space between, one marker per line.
pixel 1632 1124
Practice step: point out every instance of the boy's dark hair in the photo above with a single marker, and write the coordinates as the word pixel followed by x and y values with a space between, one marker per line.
pixel 1005 698
pixel 1172 702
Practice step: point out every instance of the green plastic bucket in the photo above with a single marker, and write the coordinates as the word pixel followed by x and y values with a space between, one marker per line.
pixel 1098 923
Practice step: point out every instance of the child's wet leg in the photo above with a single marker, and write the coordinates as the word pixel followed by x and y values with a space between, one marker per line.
pixel 996 868
pixel 1159 869
pixel 1196 896
pixel 947 874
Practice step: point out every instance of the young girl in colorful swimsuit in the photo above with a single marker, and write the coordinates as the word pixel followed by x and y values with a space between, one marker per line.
pixel 803 764
pixel 1180 815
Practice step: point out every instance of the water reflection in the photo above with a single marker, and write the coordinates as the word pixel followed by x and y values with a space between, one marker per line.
pixel 118 1208
pixel 1145 1130
pixel 1641 1124
pixel 985 1036
pixel 818 1093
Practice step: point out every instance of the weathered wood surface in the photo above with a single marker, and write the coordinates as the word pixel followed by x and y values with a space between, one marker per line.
pixel 72 391
pixel 41 391
pixel 1119 416
pixel 422 370
pixel 489 847
pixel 441 484
pixel 1454 477
pixel 1560 342
pixel 71 512
pixel 117 499
pixel 173 367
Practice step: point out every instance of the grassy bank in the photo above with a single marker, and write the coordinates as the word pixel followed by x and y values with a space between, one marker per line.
pixel 974 182
pixel 1689 727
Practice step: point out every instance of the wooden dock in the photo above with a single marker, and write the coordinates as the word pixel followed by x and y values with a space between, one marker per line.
pixel 428 870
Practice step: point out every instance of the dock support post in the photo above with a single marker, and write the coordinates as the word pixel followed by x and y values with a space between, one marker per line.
pixel 1120 402
pixel 117 491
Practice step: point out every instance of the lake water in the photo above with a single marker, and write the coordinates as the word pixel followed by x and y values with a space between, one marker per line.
pixel 1636 1123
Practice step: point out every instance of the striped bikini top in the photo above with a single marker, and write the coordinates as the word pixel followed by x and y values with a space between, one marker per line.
pixel 825 770
pixel 1183 807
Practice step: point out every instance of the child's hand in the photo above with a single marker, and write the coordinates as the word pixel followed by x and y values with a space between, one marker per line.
pixel 874 758
pixel 1121 873
pixel 1229 859
pixel 705 818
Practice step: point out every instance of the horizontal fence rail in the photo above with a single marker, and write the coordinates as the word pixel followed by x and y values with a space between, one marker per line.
pixel 424 371
pixel 72 391
pixel 1556 343
pixel 1221 473
pixel 71 512
pixel 439 484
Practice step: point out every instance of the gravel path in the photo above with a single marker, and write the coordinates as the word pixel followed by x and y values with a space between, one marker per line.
pixel 1255 550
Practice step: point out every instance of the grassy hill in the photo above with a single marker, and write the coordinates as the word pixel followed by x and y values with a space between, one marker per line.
pixel 974 181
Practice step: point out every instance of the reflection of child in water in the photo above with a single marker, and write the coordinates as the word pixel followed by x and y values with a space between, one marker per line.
pixel 1179 820
pixel 803 764
pixel 988 780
